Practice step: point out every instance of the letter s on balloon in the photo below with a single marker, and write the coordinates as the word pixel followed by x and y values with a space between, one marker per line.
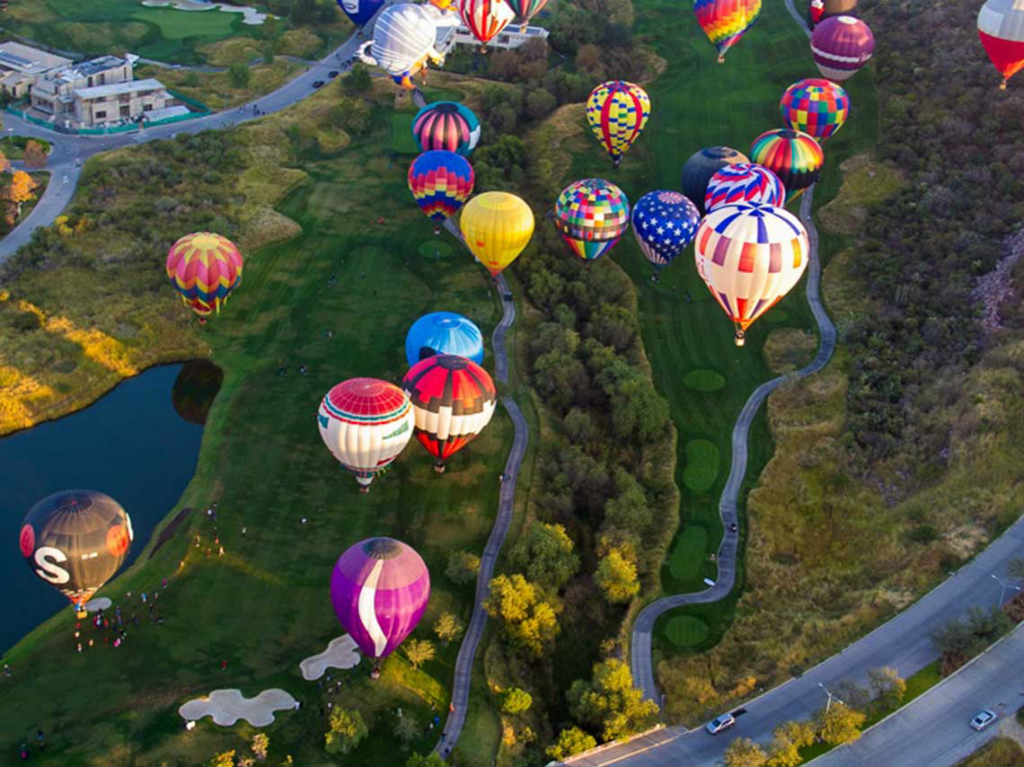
pixel 47 559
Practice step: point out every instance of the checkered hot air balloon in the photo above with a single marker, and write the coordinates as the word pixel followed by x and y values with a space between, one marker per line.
pixel 617 112
pixel 453 399
pixel 204 268
pixel 701 166
pixel 744 182
pixel 725 21
pixel 794 156
pixel 815 106
pixel 379 590
pixel 365 423
pixel 485 18
pixel 841 45
pixel 440 182
pixel 750 255
pixel 591 215
pixel 1001 29
pixel 664 223
pixel 446 125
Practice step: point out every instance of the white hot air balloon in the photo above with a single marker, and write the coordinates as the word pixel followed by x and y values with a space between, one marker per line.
pixel 403 40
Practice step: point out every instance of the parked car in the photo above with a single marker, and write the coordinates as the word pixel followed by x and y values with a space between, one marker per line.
pixel 983 719
pixel 318 83
pixel 719 723
pixel 332 74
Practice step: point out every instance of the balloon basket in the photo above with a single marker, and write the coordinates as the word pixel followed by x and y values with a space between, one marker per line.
pixel 617 161
pixel 364 489
pixel 375 674
pixel 740 338
pixel 721 58
pixel 81 612
pixel 439 468
pixel 1002 85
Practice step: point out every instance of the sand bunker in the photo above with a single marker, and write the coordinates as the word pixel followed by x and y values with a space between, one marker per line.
pixel 97 604
pixel 228 706
pixel 249 15
pixel 340 653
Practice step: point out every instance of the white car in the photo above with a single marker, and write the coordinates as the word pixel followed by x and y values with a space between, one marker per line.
pixel 719 723
pixel 983 719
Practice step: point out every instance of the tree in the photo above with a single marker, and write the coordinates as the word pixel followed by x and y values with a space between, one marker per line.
pixel 462 567
pixel 20 190
pixel 35 154
pixel 528 619
pixel 260 745
pixel 571 741
pixel 433 759
pixel 448 627
pixel 407 729
pixel 539 103
pixel 628 510
pixel 788 738
pixel 839 724
pixel 358 79
pixel 346 731
pixel 516 701
pixel 887 685
pixel 546 555
pixel 616 577
pixel 239 74
pixel 5 164
pixel 223 759
pixel 743 752
pixel 611 702
pixel 419 651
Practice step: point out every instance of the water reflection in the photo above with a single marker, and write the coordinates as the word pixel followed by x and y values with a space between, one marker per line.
pixel 195 389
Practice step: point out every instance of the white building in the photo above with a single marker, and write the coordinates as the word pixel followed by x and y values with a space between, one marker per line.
pixel 21 65
pixel 510 37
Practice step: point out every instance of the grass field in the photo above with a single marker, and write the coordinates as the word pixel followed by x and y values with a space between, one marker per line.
pixel 216 89
pixel 686 631
pixel 999 752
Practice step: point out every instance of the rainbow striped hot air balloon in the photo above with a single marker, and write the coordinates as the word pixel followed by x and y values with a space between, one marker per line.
pixel 617 112
pixel 485 18
pixel 725 21
pixel 591 215
pixel 794 156
pixel 204 268
pixel 815 106
pixel 453 399
pixel 441 182
pixel 379 589
pixel 743 182
pixel 841 46
pixel 365 423
pixel 446 125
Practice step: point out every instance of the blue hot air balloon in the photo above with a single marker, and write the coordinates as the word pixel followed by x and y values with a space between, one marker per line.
pixel 664 223
pixel 360 11
pixel 444 333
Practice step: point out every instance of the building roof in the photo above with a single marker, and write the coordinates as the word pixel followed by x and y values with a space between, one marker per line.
pixel 163 114
pixel 102 64
pixel 22 58
pixel 115 89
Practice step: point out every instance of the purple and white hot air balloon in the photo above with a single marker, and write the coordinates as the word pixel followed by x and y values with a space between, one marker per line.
pixel 379 589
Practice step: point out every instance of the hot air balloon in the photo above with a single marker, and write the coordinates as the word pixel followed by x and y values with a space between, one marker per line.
pixel 453 399
pixel 496 227
pixel 403 40
pixel 701 166
pixel 443 333
pixel 815 106
pixel 446 125
pixel 815 12
pixel 617 112
pixel 1001 29
pixel 744 182
pixel 75 540
pixel 365 423
pixel 591 215
pixel 525 10
pixel 794 156
pixel 204 268
pixel 485 18
pixel 360 11
pixel 440 181
pixel 750 255
pixel 379 589
pixel 725 21
pixel 841 45
pixel 664 223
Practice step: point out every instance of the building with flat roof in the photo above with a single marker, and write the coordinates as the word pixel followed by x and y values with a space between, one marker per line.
pixel 507 39
pixel 104 104
pixel 20 65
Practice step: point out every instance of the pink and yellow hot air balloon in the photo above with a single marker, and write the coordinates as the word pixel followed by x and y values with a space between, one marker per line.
pixel 204 268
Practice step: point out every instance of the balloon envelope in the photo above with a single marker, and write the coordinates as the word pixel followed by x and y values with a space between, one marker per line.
pixel 485 18
pixel 453 399
pixel 1001 29
pixel 841 45
pixel 591 215
pixel 525 10
pixel 440 181
pixel 496 227
pixel 815 106
pixel 379 589
pixel 75 540
pixel 204 268
pixel 725 21
pixel 701 166
pixel 664 223
pixel 617 112
pixel 360 11
pixel 744 182
pixel 794 156
pixel 446 125
pixel 443 333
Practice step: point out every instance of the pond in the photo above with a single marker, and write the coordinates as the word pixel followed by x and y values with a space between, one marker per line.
pixel 135 444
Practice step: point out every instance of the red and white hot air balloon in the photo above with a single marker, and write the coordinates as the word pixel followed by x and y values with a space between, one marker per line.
pixel 1001 29
pixel 485 18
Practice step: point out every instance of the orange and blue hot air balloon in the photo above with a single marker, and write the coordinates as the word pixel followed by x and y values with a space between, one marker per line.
pixel 204 268
pixel 816 106
pixel 725 21
pixel 794 156
pixel 441 181
pixel 617 112
pixel 591 215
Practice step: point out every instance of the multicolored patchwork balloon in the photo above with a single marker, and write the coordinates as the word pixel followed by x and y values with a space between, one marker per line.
pixel 750 255
pixel 75 540
pixel 204 268
pixel 365 423
pixel 441 182
pixel 815 106
pixel 617 112
pixel 496 227
pixel 725 21
pixel 443 333
pixel 591 215
pixel 485 18
pixel 446 125
pixel 701 166
pixel 794 156
pixel 841 45
pixel 664 223
pixel 379 590
pixel 744 182
pixel 1001 29
pixel 453 399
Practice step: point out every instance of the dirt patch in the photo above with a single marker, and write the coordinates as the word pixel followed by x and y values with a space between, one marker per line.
pixel 788 349
pixel 865 183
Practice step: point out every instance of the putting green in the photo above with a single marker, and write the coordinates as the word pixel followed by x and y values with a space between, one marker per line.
pixel 686 630
pixel 435 249
pixel 688 553
pixel 701 465
pixel 704 380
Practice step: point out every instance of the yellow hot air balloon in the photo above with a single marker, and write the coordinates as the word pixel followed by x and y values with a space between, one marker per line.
pixel 496 227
